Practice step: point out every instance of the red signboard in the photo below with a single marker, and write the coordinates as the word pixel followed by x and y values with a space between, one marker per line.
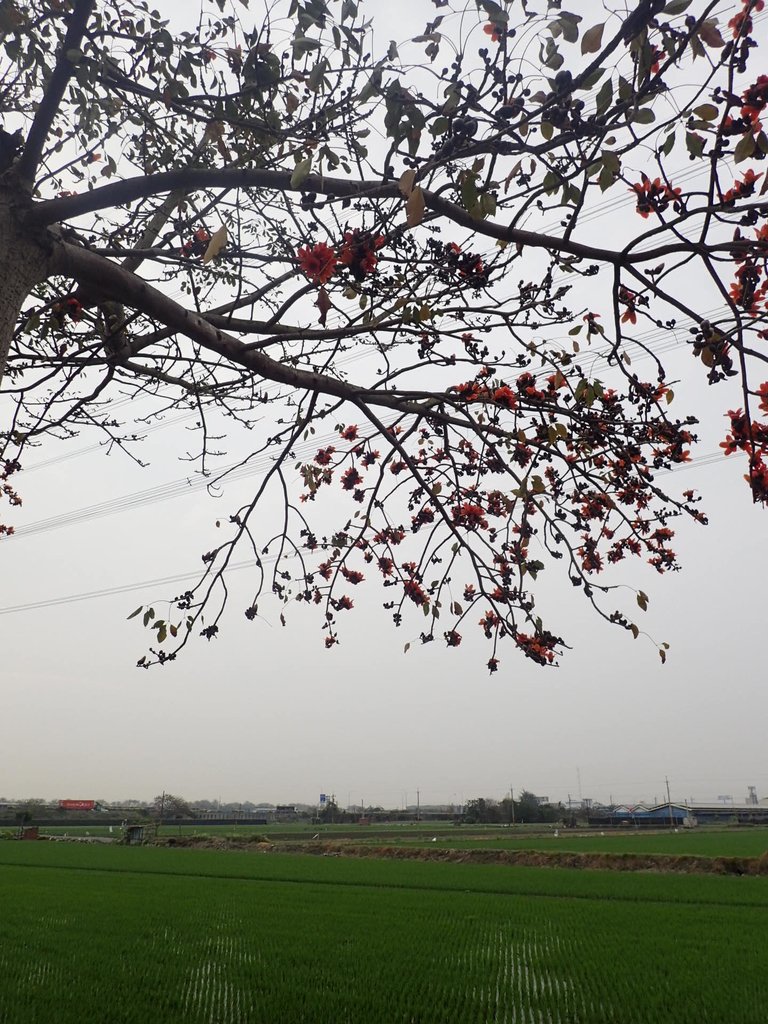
pixel 76 805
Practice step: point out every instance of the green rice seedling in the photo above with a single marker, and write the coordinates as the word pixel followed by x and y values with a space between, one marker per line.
pixel 124 935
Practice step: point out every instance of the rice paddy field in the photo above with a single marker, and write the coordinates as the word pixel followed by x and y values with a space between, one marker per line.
pixel 117 934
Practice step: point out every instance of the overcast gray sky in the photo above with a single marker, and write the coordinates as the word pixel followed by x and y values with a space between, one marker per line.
pixel 266 713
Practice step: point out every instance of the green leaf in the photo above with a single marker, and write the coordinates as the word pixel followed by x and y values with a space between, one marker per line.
pixel 642 600
pixel 469 196
pixel 606 179
pixel 304 45
pixel 694 144
pixel 611 160
pixel 696 48
pixel 551 182
pixel 744 149
pixel 550 56
pixel 604 97
pixel 137 612
pixel 669 144
pixel 572 194
pixel 301 172
pixel 372 87
pixel 706 112
pixel 569 25
pixel 591 80
pixel 494 12
pixel 317 74
pixel 487 205
pixel 592 39
pixel 643 116
pixel 677 6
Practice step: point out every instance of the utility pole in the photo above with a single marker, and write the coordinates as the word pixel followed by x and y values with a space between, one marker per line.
pixel 669 804
pixel 418 805
pixel 512 803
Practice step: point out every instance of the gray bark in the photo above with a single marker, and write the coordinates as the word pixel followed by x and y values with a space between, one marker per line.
pixel 24 259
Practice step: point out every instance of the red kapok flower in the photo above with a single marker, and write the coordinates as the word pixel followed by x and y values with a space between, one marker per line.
pixel 352 576
pixel 197 245
pixel 416 592
pixel 68 307
pixel 325 455
pixel 743 189
pixel 505 396
pixel 742 23
pixel 494 30
pixel 755 100
pixel 351 479
pixel 653 196
pixel 358 252
pixel 317 262
pixel 469 515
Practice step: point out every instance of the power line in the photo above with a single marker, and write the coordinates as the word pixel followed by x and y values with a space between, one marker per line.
pixel 128 588
pixel 165 492
pixel 100 445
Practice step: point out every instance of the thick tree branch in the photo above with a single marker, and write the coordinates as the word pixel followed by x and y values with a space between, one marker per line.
pixel 188 180
pixel 117 284
pixel 54 93
pixel 121 192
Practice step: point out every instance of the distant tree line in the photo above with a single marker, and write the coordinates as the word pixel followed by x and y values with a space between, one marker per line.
pixel 526 809
pixel 170 807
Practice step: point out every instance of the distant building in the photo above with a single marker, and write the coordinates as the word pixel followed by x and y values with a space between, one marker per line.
pixel 680 814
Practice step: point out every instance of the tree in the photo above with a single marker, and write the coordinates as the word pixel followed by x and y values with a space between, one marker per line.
pixel 224 216
pixel 167 807
pixel 482 811
pixel 29 811
pixel 330 813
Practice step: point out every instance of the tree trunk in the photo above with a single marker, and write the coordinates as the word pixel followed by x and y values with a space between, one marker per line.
pixel 24 258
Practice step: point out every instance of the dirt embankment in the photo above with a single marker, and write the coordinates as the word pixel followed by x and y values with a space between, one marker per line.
pixel 522 858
